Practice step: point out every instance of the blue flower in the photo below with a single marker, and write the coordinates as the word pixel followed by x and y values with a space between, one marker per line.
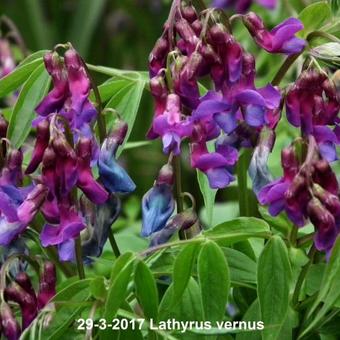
pixel 158 205
pixel 112 175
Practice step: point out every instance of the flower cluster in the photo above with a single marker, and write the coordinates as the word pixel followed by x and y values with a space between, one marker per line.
pixel 67 150
pixel 242 6
pixel 21 292
pixel 313 105
pixel 308 189
pixel 234 112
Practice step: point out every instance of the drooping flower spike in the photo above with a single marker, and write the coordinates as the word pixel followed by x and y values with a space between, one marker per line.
pixel 313 105
pixel 21 292
pixel 235 110
pixel 307 190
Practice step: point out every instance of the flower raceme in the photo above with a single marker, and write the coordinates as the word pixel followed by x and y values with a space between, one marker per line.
pixel 21 291
pixel 67 150
pixel 312 104
pixel 306 190
pixel 235 110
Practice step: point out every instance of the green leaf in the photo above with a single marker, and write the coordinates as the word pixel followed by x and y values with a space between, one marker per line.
pixel 252 315
pixel 208 195
pixel 18 76
pixel 23 114
pixel 242 268
pixel 273 284
pixel 120 263
pixel 135 145
pixel 280 222
pixel 109 88
pixel 81 30
pixel 66 293
pixel 146 291
pixel 34 56
pixel 237 230
pixel 97 288
pixel 189 307
pixel 121 274
pixel 329 292
pixel 126 102
pixel 214 281
pixel 313 16
pixel 183 266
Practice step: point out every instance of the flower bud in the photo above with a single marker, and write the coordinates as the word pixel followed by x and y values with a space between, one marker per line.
pixel 189 14
pixel 158 87
pixel 325 176
pixel 25 282
pixel 197 27
pixel 47 287
pixel 26 301
pixel 166 175
pixel 42 140
pixel 28 209
pixel 218 34
pixel 3 126
pixel 10 325
pixel 62 147
pixel 186 32
pixel 49 157
pixel 330 201
pixel 324 221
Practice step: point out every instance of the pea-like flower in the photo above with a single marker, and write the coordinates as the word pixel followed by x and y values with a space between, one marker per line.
pixel 113 176
pixel 281 39
pixel 158 203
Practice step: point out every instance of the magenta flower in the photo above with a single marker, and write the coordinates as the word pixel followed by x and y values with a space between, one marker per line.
pixel 306 191
pixel 281 39
pixel 312 104
pixel 242 6
pixel 171 126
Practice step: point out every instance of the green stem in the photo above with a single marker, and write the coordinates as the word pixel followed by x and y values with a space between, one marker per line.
pixel 293 235
pixel 321 34
pixel 178 190
pixel 242 178
pixel 302 276
pixel 79 258
pixel 284 68
pixel 114 244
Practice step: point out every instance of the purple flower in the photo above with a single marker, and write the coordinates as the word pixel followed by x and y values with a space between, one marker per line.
pixel 47 284
pixel 218 166
pixel 158 203
pixel 69 228
pixel 171 126
pixel 9 325
pixel 18 205
pixel 242 6
pixel 281 39
pixel 69 96
pixel 313 105
pixel 86 182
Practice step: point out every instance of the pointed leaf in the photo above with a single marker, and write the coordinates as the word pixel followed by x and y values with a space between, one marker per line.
pixel 34 89
pixel 273 284
pixel 146 291
pixel 214 280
